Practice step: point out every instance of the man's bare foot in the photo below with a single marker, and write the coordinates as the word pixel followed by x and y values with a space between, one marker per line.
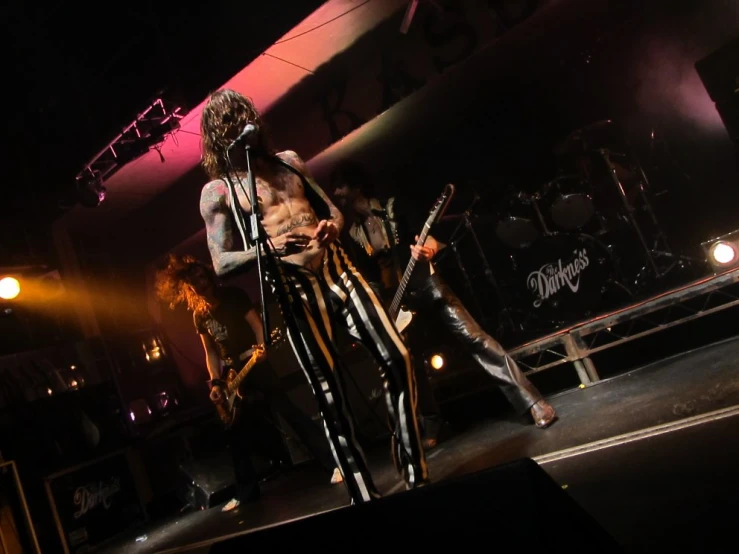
pixel 232 505
pixel 429 444
pixel 337 478
pixel 543 414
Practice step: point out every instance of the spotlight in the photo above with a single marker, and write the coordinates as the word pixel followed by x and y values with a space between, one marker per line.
pixel 723 252
pixel 9 288
pixel 437 361
pixel 139 411
pixel 153 350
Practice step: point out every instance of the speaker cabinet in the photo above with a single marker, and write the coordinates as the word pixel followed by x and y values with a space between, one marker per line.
pixel 516 505
pixel 720 75
pixel 207 481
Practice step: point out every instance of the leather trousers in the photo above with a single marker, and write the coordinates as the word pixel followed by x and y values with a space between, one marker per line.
pixel 435 301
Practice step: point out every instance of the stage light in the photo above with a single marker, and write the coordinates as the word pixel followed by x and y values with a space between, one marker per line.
pixel 9 288
pixel 147 132
pixel 723 252
pixel 139 411
pixel 153 350
pixel 437 361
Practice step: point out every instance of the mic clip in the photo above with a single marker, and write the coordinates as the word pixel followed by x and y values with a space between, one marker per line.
pixel 250 129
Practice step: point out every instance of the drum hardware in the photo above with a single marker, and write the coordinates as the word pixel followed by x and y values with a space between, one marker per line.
pixel 660 248
pixel 534 200
pixel 579 152
pixel 464 228
pixel 468 283
pixel 629 210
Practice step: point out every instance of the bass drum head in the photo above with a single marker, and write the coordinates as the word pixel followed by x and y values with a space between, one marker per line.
pixel 562 278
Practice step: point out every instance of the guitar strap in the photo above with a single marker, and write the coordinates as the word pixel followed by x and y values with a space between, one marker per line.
pixel 389 231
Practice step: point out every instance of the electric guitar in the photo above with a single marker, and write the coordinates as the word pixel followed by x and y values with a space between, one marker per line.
pixel 401 316
pixel 227 407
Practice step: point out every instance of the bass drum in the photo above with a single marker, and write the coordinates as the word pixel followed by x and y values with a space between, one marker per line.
pixel 562 278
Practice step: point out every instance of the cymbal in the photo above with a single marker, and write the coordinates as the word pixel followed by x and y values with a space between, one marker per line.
pixel 590 137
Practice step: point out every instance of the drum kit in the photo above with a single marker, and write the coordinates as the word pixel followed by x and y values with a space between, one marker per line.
pixel 584 242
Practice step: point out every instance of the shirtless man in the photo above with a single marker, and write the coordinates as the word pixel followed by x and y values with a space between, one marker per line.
pixel 303 224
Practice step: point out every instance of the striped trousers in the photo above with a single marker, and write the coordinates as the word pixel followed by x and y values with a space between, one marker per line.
pixel 337 293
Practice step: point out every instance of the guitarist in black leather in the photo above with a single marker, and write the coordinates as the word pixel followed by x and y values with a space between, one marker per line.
pixel 383 237
pixel 229 325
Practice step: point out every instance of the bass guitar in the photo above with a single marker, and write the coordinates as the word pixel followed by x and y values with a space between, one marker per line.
pixel 227 407
pixel 401 316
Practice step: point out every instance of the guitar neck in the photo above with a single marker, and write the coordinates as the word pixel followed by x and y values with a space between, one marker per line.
pixel 395 304
pixel 236 383
pixel 436 212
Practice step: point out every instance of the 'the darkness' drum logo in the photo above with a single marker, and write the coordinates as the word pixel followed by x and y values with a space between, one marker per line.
pixel 92 495
pixel 551 277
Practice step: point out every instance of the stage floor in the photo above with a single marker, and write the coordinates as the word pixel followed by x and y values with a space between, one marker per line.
pixel 651 454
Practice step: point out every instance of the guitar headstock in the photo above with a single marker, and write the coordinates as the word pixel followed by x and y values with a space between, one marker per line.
pixel 442 203
pixel 276 337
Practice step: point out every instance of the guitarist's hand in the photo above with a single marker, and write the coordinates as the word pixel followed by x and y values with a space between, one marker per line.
pixel 426 252
pixel 261 354
pixel 216 394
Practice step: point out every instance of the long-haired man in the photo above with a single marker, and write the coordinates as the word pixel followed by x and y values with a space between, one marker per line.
pixel 229 326
pixel 325 289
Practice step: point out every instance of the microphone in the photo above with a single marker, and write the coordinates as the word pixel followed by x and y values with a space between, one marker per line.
pixel 249 131
pixel 379 213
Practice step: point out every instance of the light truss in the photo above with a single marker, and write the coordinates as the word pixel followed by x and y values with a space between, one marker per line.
pixel 150 128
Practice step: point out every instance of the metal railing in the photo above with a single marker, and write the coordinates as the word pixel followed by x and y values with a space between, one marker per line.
pixel 577 343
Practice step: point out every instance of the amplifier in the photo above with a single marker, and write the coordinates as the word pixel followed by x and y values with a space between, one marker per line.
pixel 93 502
pixel 207 481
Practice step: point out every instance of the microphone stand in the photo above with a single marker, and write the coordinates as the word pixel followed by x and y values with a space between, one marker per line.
pixel 257 235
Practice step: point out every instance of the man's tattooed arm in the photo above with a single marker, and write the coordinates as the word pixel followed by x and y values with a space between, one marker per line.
pixel 293 159
pixel 220 230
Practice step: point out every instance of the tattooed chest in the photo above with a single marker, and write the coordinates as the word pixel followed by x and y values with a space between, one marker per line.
pixel 307 219
pixel 280 189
